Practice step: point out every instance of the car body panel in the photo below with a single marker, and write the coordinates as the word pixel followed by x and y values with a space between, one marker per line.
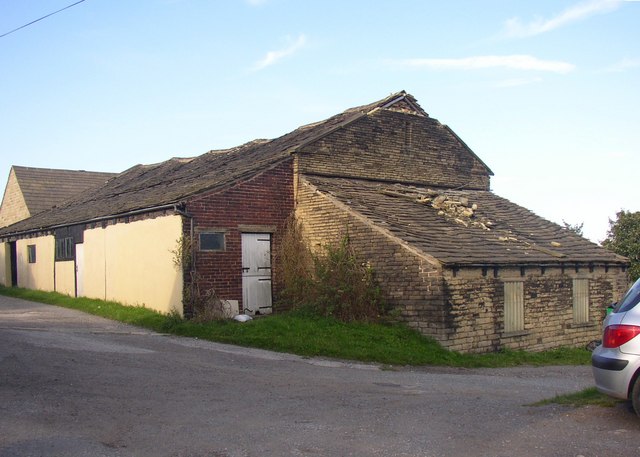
pixel 615 370
pixel 611 380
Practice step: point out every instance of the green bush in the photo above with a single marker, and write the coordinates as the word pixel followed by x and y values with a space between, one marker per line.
pixel 333 283
pixel 345 287
pixel 294 264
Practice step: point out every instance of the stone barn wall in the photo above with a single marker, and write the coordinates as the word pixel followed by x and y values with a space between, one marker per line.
pixel 391 146
pixel 410 281
pixel 475 307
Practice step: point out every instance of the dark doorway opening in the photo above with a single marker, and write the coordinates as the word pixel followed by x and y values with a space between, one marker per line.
pixel 14 263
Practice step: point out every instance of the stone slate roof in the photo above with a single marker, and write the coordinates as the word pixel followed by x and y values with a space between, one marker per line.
pixel 44 188
pixel 170 182
pixel 496 232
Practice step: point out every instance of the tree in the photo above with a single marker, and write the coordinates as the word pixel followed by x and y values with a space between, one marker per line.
pixel 575 228
pixel 623 238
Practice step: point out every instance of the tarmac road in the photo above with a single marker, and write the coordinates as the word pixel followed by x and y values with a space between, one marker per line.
pixel 72 384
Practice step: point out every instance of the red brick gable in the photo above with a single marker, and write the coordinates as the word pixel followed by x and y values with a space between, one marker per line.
pixel 261 204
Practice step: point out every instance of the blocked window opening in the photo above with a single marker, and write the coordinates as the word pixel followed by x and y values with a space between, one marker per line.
pixel 580 301
pixel 64 249
pixel 513 306
pixel 31 253
pixel 212 241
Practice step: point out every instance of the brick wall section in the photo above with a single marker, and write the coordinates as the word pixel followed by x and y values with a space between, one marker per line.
pixel 261 204
pixel 397 147
pixel 410 282
pixel 476 308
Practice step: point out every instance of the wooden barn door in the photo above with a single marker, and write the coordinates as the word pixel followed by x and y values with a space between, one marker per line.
pixel 256 273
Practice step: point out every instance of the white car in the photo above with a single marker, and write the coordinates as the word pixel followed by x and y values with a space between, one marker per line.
pixel 616 362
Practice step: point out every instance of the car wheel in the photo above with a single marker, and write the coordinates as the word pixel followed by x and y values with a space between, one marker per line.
pixel 635 396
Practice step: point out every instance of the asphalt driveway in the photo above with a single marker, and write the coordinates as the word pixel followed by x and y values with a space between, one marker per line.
pixel 72 384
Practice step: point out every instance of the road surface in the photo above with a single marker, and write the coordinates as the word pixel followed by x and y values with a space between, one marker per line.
pixel 72 384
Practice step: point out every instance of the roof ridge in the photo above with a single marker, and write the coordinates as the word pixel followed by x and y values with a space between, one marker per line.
pixel 21 167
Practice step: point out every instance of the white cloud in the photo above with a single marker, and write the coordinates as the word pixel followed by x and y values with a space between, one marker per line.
pixel 515 28
pixel 517 62
pixel 274 56
pixel 256 2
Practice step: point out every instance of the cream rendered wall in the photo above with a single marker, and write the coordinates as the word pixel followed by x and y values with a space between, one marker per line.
pixel 66 277
pixel 94 264
pixel 38 275
pixel 5 264
pixel 133 263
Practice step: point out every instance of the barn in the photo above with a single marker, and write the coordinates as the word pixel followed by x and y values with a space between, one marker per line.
pixel 459 263
pixel 30 190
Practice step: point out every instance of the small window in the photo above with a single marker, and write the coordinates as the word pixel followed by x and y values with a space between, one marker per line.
pixel 513 306
pixel 580 301
pixel 64 249
pixel 212 241
pixel 31 253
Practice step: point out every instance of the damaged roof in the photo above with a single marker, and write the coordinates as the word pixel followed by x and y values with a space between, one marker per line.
pixel 463 227
pixel 171 182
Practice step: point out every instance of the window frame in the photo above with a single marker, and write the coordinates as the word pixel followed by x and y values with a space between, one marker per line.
pixel 31 253
pixel 65 249
pixel 223 241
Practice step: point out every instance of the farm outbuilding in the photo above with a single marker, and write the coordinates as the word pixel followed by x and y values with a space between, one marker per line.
pixel 459 263
pixel 30 190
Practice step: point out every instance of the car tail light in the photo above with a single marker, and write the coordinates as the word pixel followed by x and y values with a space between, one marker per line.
pixel 617 335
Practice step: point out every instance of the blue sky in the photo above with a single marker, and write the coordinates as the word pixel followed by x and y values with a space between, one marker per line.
pixel 547 93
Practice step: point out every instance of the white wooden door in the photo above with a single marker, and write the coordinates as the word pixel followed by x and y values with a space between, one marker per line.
pixel 256 273
pixel 79 270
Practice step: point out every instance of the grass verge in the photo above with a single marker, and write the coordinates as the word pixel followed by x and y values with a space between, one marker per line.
pixel 588 396
pixel 305 335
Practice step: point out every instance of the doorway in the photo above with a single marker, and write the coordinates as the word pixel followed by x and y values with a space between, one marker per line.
pixel 13 256
pixel 256 273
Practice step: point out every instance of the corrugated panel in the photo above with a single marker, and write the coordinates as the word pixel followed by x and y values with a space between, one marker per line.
pixel 580 301
pixel 513 306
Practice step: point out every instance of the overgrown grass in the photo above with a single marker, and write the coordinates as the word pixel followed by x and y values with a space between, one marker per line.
pixel 589 396
pixel 306 335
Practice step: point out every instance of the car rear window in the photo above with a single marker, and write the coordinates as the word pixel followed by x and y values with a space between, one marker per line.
pixel 631 299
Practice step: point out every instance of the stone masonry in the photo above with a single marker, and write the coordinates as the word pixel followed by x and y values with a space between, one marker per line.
pixel 411 282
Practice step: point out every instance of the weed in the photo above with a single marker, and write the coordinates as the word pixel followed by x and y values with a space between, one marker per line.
pixel 172 321
pixel 345 287
pixel 294 265
pixel 332 283
pixel 182 253
pixel 588 396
